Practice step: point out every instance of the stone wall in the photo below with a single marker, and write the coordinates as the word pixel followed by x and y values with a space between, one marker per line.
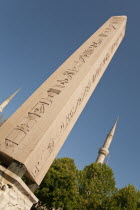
pixel 14 194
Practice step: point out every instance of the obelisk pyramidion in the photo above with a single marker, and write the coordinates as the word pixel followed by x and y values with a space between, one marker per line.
pixel 34 134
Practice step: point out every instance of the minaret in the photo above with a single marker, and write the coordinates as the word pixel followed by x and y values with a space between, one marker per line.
pixel 104 151
pixel 6 102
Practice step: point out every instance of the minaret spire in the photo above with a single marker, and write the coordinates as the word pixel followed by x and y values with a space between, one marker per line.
pixel 6 102
pixel 104 151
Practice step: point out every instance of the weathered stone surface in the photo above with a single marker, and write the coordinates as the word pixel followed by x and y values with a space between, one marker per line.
pixel 14 194
pixel 37 130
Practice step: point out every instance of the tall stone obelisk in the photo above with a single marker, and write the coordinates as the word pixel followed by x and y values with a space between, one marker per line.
pixel 104 150
pixel 34 134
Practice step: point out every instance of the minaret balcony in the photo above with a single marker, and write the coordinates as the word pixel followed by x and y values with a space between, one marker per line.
pixel 103 151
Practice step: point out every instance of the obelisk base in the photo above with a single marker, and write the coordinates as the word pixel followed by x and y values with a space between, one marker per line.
pixel 14 193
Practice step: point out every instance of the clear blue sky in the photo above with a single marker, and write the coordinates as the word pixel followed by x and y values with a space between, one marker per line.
pixel 37 36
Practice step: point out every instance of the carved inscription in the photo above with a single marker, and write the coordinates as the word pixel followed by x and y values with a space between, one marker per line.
pixel 51 145
pixel 88 86
pixel 46 151
pixel 38 110
pixel 74 108
pixel 17 135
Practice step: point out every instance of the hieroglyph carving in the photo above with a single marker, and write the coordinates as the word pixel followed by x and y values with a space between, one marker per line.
pixel 63 125
pixel 36 132
pixel 18 133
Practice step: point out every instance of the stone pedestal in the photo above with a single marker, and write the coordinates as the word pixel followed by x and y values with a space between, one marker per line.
pixel 14 193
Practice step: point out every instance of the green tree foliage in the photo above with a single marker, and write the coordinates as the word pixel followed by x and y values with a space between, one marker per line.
pixel 93 188
pixel 59 187
pixel 127 198
pixel 97 183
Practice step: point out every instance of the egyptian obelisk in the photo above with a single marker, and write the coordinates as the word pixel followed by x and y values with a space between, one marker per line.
pixel 34 134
